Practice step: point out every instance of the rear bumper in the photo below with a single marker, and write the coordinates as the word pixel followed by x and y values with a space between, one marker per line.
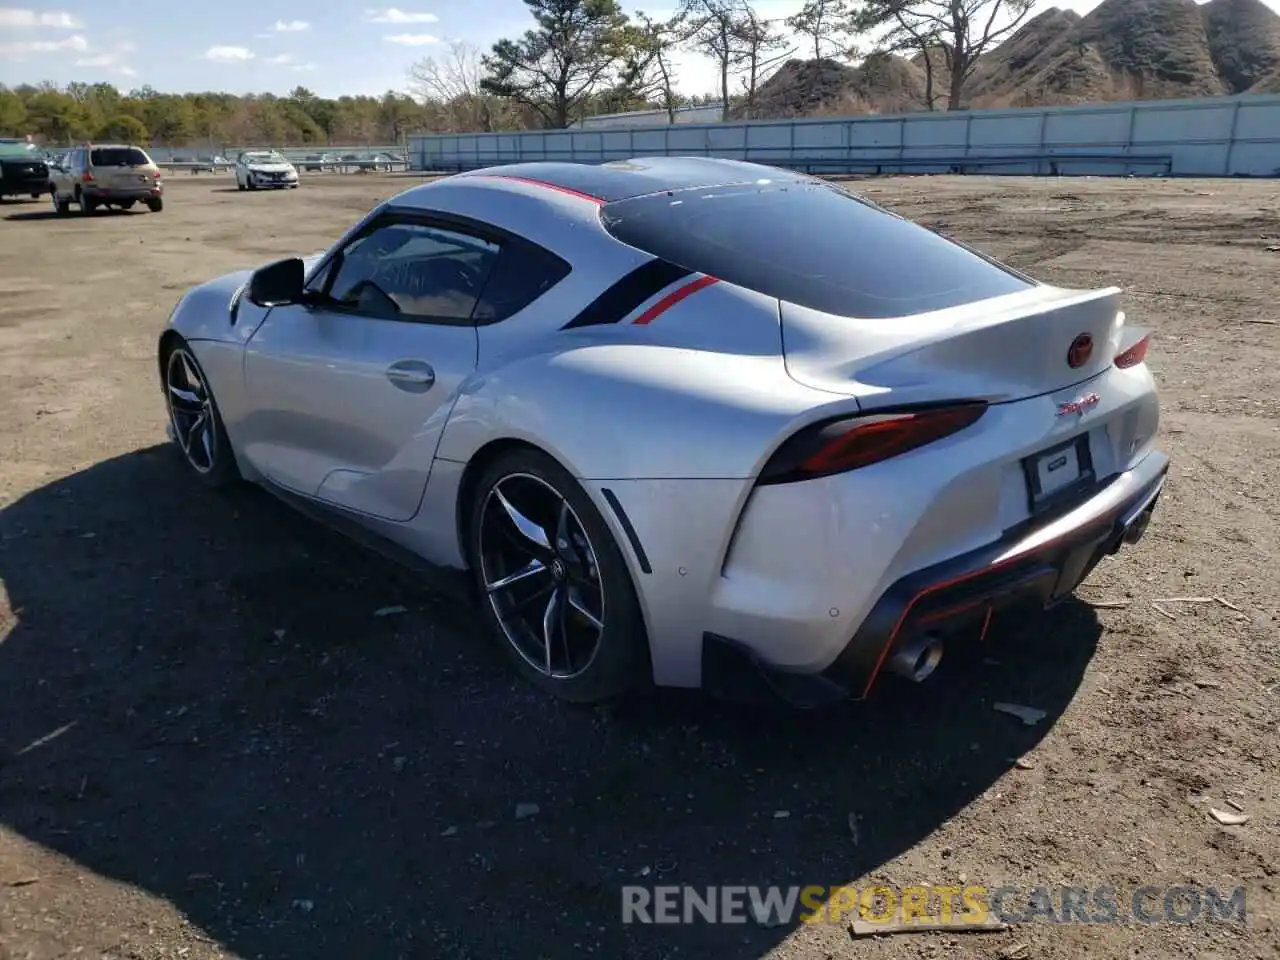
pixel 16 186
pixel 1040 565
pixel 128 193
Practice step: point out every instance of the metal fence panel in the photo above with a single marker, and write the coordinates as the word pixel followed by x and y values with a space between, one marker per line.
pixel 1213 136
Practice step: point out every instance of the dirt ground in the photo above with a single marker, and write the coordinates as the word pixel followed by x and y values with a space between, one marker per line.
pixel 209 746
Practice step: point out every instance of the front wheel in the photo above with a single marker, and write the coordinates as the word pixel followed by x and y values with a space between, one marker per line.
pixel 556 589
pixel 196 423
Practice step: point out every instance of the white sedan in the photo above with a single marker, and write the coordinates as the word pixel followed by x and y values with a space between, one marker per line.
pixel 264 168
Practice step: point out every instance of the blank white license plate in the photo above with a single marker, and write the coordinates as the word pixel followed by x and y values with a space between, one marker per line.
pixel 1057 469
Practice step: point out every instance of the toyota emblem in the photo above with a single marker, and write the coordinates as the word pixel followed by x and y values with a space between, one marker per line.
pixel 1081 350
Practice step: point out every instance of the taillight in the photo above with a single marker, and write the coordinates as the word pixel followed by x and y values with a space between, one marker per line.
pixel 86 177
pixel 155 175
pixel 850 443
pixel 1134 355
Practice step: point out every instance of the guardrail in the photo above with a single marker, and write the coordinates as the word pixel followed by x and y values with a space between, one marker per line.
pixel 302 166
pixel 1053 164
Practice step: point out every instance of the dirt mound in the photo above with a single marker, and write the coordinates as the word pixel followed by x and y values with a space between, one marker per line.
pixel 1244 41
pixel 1122 50
pixel 882 83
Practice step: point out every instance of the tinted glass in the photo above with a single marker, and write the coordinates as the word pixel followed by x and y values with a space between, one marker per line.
pixel 811 244
pixel 20 149
pixel 118 157
pixel 521 275
pixel 406 271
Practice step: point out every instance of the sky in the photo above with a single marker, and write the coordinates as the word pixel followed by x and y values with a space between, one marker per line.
pixel 243 46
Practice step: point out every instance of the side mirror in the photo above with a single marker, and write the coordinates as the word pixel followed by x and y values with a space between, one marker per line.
pixel 277 284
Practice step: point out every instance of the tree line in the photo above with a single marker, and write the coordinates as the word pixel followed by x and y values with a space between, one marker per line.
pixel 59 116
pixel 579 58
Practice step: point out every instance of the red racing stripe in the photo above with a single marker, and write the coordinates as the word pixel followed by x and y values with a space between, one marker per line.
pixel 672 298
pixel 542 183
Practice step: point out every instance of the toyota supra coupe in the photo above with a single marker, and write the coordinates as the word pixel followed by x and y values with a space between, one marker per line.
pixel 677 419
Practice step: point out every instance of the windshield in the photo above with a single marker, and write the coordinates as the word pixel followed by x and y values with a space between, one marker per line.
pixel 20 148
pixel 118 157
pixel 811 244
pixel 266 156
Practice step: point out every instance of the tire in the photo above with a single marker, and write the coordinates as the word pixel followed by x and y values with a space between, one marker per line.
pixel 155 204
pixel 127 205
pixel 61 206
pixel 212 462
pixel 87 204
pixel 239 185
pixel 36 196
pixel 597 612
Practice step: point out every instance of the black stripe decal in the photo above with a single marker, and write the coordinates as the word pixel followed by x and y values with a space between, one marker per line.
pixel 617 302
pixel 628 529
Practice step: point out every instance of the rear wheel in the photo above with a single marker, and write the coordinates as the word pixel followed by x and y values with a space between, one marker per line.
pixel 61 205
pixel 87 204
pixel 155 204
pixel 35 196
pixel 197 425
pixel 557 590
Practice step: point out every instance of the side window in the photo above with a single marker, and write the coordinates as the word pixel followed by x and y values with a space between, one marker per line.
pixel 412 271
pixel 521 275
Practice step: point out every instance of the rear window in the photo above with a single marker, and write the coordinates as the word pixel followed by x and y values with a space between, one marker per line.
pixel 118 157
pixel 811 244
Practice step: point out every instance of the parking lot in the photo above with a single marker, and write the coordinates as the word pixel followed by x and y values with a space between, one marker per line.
pixel 211 746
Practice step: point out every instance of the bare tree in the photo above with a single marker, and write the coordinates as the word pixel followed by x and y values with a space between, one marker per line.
pixel 451 85
pixel 826 25
pixel 961 31
pixel 715 28
pixel 763 48
pixel 649 73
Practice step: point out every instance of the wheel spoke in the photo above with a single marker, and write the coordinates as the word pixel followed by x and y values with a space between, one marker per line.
pixel 193 431
pixel 527 528
pixel 548 626
pixel 575 601
pixel 563 544
pixel 532 569
pixel 533 597
pixel 193 380
pixel 206 440
pixel 186 396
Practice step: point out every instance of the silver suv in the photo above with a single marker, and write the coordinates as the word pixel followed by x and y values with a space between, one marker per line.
pixel 106 175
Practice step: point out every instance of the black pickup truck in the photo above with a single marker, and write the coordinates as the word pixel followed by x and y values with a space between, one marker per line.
pixel 23 170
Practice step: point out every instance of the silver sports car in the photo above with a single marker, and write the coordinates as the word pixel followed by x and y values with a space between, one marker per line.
pixel 682 419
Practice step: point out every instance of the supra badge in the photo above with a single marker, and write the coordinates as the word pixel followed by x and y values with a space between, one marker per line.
pixel 1080 351
pixel 1080 405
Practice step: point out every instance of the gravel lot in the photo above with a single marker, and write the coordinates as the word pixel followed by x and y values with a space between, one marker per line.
pixel 210 746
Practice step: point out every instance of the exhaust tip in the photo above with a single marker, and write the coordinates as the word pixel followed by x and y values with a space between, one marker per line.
pixel 916 659
pixel 1134 532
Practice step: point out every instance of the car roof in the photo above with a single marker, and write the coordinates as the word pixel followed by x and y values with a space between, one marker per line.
pixel 625 179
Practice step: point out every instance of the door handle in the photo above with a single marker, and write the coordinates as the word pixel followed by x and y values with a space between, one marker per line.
pixel 415 376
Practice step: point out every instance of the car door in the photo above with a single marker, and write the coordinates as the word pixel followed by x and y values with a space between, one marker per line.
pixel 65 173
pixel 349 391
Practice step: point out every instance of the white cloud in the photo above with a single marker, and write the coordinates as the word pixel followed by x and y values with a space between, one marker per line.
pixel 12 17
pixel 412 39
pixel 394 15
pixel 73 44
pixel 110 60
pixel 293 26
pixel 280 58
pixel 305 67
pixel 222 54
